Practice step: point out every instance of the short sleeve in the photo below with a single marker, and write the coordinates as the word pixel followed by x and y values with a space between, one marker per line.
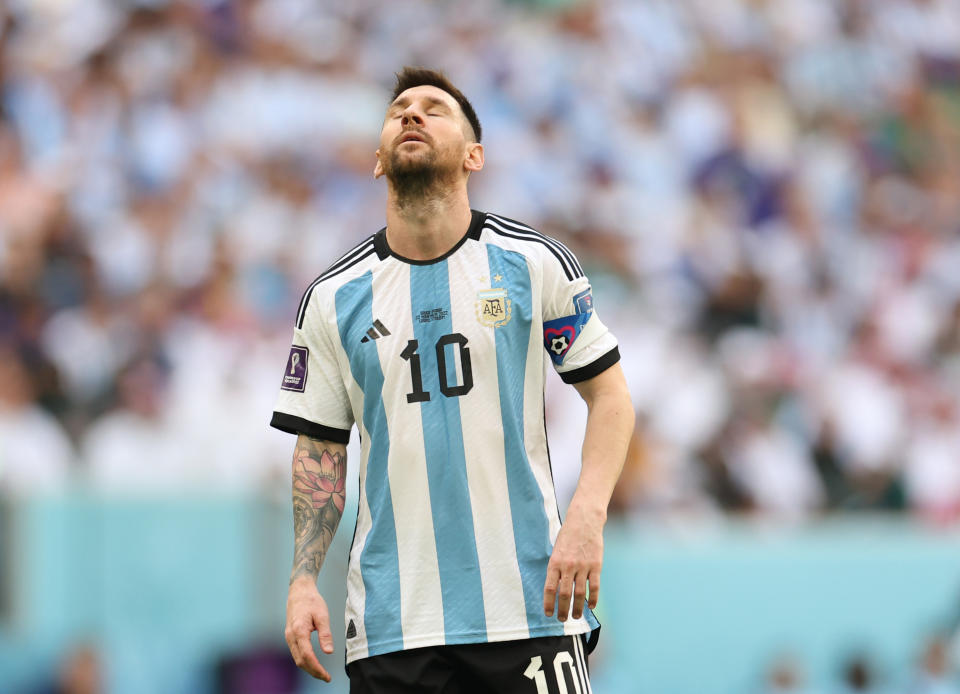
pixel 313 398
pixel 578 343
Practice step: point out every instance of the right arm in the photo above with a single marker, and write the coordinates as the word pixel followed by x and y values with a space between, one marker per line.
pixel 319 472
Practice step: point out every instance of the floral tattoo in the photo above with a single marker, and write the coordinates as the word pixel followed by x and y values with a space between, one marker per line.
pixel 319 471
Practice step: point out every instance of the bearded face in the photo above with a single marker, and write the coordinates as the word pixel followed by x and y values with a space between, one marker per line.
pixel 416 166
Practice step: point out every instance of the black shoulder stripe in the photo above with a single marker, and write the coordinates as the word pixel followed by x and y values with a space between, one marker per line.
pixel 346 257
pixel 329 275
pixel 566 270
pixel 346 265
pixel 568 257
pixel 346 262
pixel 519 226
pixel 342 262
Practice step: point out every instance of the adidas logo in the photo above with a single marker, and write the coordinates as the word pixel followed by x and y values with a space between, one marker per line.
pixel 376 332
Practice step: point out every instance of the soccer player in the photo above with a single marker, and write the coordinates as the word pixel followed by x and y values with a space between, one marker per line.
pixel 432 336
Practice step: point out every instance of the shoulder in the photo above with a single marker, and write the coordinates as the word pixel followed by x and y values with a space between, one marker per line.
pixel 545 250
pixel 348 266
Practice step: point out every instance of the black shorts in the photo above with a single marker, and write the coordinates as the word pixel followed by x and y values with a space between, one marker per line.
pixel 546 665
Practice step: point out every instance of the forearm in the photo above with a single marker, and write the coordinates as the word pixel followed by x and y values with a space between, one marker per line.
pixel 319 471
pixel 610 422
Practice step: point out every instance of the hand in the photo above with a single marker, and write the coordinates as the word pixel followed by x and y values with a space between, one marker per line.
pixel 575 563
pixel 306 613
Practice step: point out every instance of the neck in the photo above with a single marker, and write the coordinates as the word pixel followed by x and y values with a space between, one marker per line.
pixel 424 227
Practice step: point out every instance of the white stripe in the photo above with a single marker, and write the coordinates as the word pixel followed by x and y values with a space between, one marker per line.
pixel 554 242
pixel 502 589
pixel 356 592
pixel 576 669
pixel 419 570
pixel 537 238
pixel 582 659
pixel 535 435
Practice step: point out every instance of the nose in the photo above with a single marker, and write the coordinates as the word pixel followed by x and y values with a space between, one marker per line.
pixel 411 115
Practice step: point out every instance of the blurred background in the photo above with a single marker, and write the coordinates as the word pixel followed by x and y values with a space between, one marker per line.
pixel 765 194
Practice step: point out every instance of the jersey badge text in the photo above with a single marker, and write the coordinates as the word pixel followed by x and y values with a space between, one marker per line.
pixel 295 375
pixel 493 307
pixel 432 315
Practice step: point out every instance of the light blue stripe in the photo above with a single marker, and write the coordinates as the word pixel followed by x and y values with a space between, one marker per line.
pixel 531 528
pixel 379 565
pixel 460 586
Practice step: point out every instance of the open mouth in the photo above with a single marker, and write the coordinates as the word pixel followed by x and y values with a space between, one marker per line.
pixel 411 137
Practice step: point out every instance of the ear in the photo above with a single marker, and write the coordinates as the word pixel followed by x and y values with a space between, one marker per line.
pixel 378 168
pixel 474 157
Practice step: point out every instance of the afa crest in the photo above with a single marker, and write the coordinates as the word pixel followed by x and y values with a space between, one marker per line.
pixel 493 307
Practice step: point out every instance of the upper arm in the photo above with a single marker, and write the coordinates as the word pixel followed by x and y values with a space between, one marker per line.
pixel 320 471
pixel 609 383
pixel 311 445
pixel 329 456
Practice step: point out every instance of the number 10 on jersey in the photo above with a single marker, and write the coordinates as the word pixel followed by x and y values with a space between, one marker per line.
pixel 409 354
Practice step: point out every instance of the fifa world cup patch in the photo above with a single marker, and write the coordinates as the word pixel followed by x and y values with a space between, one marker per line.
pixel 295 375
pixel 559 334
pixel 583 302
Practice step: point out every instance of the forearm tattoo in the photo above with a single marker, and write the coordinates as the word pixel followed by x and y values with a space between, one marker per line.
pixel 319 469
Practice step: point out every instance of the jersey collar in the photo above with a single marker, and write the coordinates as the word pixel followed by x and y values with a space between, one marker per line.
pixel 473 232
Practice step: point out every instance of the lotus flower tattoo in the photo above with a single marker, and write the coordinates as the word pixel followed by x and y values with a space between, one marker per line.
pixel 320 480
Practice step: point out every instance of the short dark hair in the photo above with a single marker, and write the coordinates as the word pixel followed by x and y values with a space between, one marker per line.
pixel 410 77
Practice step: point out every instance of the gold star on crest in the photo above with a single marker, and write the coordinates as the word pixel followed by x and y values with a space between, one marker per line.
pixel 498 277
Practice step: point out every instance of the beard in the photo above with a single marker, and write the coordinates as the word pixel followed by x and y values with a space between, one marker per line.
pixel 418 177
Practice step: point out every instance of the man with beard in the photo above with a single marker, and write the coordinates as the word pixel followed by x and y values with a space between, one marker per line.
pixel 432 336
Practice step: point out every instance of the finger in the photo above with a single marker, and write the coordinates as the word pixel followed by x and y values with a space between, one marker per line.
pixel 308 659
pixel 292 644
pixel 579 595
pixel 550 591
pixel 564 593
pixel 594 579
pixel 324 636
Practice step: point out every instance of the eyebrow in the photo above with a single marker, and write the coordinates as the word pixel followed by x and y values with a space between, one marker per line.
pixel 404 101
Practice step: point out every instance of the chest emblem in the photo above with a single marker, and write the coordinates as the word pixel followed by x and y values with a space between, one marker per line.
pixel 493 307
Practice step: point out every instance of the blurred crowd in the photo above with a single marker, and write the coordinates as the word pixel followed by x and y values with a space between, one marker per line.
pixel 934 672
pixel 765 193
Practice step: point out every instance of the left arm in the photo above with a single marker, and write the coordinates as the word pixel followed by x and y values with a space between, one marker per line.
pixel 577 557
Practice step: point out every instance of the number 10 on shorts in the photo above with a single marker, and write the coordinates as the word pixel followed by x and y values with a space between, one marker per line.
pixel 535 672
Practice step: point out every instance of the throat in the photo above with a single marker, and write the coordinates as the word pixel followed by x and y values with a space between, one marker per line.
pixel 427 230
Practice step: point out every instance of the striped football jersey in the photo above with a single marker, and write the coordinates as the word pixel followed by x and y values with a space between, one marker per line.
pixel 441 365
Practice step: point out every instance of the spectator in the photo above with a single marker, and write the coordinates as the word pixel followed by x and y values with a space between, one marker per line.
pixel 172 173
pixel 36 456
pixel 785 676
pixel 936 673
pixel 858 676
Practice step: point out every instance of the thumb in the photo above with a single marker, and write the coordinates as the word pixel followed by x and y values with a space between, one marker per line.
pixel 324 636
